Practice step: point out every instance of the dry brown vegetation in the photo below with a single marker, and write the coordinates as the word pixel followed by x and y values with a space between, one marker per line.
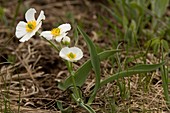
pixel 36 68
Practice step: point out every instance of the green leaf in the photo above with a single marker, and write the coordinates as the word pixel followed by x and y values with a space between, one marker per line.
pixel 159 7
pixel 113 14
pixel 141 68
pixel 125 22
pixel 1 12
pixel 94 61
pixel 137 7
pixel 133 26
pixel 156 48
pixel 76 36
pixel 63 110
pixel 82 73
pixel 164 76
pixel 134 58
pixel 165 45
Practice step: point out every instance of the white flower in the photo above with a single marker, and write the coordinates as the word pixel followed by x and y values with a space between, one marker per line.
pixel 57 33
pixel 66 40
pixel 71 54
pixel 26 30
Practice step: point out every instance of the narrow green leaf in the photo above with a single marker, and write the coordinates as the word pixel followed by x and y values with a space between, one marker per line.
pixel 125 22
pixel 133 26
pixel 63 110
pixel 165 45
pixel 76 36
pixel 87 107
pixel 1 12
pixel 82 73
pixel 94 61
pixel 137 7
pixel 142 68
pixel 159 7
pixel 164 76
pixel 113 14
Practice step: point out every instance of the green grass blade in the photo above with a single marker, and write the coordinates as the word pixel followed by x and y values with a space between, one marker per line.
pixel 113 14
pixel 63 110
pixel 16 13
pixel 159 7
pixel 164 76
pixel 142 68
pixel 76 36
pixel 82 73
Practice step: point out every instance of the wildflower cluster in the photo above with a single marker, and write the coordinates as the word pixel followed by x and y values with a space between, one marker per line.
pixel 58 35
pixel 26 30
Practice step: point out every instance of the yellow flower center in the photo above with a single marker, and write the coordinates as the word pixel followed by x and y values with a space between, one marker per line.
pixel 55 31
pixel 31 25
pixel 71 55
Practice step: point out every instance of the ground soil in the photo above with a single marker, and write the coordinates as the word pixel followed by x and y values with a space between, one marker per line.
pixel 36 58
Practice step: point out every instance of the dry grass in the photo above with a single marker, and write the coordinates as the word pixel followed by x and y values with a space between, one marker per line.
pixel 37 68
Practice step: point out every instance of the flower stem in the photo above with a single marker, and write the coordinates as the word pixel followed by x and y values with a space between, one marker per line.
pixel 87 107
pixel 50 42
pixel 75 87
pixel 70 69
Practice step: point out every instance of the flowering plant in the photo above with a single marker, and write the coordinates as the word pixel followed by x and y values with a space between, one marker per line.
pixel 26 30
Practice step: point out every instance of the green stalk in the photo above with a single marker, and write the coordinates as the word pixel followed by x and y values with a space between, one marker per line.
pixel 78 99
pixel 6 96
pixel 165 84
pixel 52 44
pixel 75 87
pixel 81 103
pixel 87 107
pixel 70 69
pixel 16 12
pixel 145 54
pixel 119 82
pixel 164 76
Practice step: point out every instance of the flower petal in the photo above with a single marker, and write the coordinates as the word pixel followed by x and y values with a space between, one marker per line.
pixel 79 55
pixel 37 27
pixel 63 53
pixel 30 14
pixel 30 34
pixel 78 52
pixel 41 17
pixel 66 50
pixel 20 29
pixel 64 28
pixel 26 37
pixel 47 35
pixel 66 39
pixel 60 37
